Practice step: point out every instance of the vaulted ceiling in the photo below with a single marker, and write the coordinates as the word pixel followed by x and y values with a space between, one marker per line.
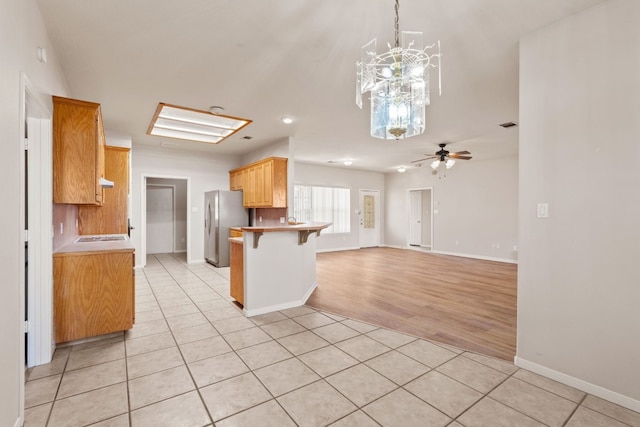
pixel 263 60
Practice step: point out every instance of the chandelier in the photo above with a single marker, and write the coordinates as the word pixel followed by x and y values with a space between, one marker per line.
pixel 398 82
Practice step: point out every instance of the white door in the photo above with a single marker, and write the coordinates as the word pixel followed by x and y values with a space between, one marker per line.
pixel 369 219
pixel 415 218
pixel 159 220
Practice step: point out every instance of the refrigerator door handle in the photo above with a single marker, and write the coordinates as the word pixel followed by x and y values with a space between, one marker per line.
pixel 207 219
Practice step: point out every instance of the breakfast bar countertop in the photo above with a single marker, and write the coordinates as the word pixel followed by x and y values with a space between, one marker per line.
pixel 303 226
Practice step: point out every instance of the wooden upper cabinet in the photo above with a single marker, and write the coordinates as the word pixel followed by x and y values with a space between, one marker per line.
pixel 264 183
pixel 78 152
pixel 111 217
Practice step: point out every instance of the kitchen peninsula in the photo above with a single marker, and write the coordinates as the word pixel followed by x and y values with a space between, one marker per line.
pixel 278 266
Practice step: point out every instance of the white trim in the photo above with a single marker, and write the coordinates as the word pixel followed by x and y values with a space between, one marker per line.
pixel 486 258
pixel 18 422
pixel 574 382
pixel 35 106
pixel 283 306
pixel 196 261
pixel 143 216
pixel 337 249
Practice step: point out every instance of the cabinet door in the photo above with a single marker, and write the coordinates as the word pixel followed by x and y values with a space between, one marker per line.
pixel 92 294
pixel 78 159
pixel 266 198
pixel 111 217
pixel 235 180
pixel 236 272
pixel 251 191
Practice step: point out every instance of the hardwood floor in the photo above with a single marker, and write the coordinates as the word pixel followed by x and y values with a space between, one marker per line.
pixel 464 302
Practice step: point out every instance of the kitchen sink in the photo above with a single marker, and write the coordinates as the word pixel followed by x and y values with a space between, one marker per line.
pixel 102 238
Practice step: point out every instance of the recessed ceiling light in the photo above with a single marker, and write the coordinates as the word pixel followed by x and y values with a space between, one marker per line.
pixel 402 169
pixel 348 162
pixel 173 121
pixel 287 120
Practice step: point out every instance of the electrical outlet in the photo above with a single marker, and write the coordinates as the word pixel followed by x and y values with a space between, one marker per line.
pixel 282 220
pixel 61 228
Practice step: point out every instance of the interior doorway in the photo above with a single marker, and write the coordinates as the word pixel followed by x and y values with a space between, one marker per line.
pixel 420 230
pixel 369 213
pixel 165 222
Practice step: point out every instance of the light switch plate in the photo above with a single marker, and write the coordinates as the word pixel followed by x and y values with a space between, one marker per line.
pixel 543 210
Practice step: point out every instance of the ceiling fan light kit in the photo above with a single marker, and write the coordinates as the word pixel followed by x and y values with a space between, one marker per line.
pixel 445 157
pixel 398 82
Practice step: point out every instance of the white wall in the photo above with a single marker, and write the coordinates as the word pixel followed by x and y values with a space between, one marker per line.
pixel 579 275
pixel 21 32
pixel 477 204
pixel 206 172
pixel 347 178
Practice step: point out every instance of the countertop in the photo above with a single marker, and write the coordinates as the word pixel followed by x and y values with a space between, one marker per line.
pixel 97 246
pixel 306 226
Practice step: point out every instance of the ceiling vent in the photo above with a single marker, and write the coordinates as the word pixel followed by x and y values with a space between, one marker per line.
pixel 508 125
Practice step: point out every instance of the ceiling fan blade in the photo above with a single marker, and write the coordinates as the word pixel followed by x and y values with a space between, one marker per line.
pixel 426 158
pixel 459 157
pixel 461 152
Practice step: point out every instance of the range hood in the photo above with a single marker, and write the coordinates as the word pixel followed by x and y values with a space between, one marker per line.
pixel 105 183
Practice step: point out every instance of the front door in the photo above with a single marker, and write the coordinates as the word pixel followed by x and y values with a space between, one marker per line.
pixel 369 219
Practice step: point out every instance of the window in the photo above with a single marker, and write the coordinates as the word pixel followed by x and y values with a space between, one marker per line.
pixel 323 204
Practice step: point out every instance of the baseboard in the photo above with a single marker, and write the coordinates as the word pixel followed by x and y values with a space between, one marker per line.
pixel 197 261
pixel 271 308
pixel 485 258
pixel 179 251
pixel 309 292
pixel 574 382
pixel 337 249
pixel 283 306
pixel 18 422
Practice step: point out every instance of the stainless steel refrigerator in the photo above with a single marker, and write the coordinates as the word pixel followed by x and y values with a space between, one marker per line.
pixel 223 209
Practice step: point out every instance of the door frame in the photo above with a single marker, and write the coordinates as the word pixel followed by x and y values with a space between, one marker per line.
pixel 408 219
pixel 37 107
pixel 361 192
pixel 143 214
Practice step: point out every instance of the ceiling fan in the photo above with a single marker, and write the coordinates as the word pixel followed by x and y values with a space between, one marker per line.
pixel 446 157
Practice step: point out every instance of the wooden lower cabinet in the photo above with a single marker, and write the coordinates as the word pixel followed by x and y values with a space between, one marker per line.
pixel 236 271
pixel 94 293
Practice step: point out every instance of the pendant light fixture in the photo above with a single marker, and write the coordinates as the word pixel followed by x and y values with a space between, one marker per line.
pixel 398 82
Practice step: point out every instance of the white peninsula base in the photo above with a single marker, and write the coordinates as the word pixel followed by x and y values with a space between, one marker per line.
pixel 279 266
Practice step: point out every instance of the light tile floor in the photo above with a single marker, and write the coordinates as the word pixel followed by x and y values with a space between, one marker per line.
pixel 193 359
